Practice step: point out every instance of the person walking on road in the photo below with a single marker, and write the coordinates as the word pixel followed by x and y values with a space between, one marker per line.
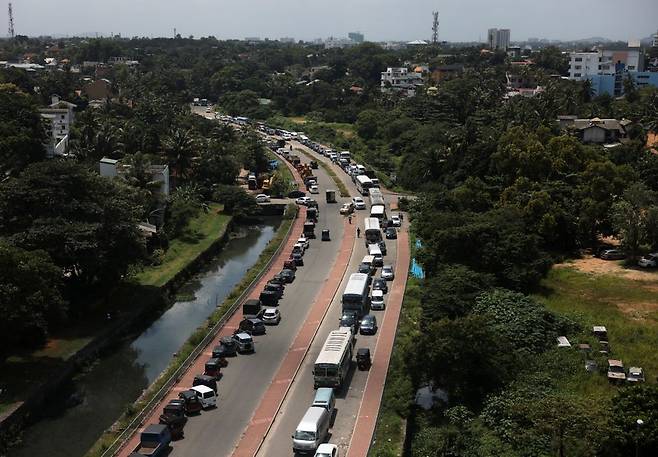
pixel 349 219
pixel 358 232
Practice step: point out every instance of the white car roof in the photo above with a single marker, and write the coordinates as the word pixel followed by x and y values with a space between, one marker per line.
pixel 326 448
pixel 270 311
pixel 202 389
pixel 377 292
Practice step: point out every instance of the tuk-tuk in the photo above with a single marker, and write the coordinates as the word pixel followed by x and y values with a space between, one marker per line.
pixel 205 380
pixel 325 235
pixel 363 361
pixel 213 368
pixel 191 401
pixel 312 214
pixel 290 265
pixel 309 229
pixel 173 416
pixel 269 298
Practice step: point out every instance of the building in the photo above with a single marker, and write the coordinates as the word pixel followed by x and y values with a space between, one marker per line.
pixel 498 39
pixel 401 80
pixel 101 89
pixel 287 40
pixel 57 120
pixel 607 69
pixel 357 37
pixel 445 71
pixel 332 42
pixel 654 41
pixel 596 130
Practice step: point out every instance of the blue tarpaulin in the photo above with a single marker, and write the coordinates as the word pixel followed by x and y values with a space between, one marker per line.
pixel 416 269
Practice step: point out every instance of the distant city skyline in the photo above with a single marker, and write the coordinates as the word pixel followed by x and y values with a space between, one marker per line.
pixel 378 20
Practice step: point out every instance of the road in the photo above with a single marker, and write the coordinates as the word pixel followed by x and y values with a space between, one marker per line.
pixel 299 398
pixel 246 378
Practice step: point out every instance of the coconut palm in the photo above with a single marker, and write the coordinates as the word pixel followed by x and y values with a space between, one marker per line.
pixel 179 147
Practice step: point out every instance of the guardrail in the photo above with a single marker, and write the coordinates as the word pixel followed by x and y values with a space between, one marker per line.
pixel 127 433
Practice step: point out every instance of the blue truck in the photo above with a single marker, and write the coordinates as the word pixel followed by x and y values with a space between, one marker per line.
pixel 153 442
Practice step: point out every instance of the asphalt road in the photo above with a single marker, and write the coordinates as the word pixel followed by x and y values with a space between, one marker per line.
pixel 278 441
pixel 216 432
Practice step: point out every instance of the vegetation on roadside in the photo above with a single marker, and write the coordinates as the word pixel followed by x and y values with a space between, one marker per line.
pixel 106 440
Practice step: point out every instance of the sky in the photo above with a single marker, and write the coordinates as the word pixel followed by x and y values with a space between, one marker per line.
pixel 379 20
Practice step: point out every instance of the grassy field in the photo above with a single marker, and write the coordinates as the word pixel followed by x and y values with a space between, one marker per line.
pixel 627 308
pixel 106 440
pixel 202 232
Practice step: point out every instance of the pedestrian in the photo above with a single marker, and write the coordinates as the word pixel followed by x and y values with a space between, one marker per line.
pixel 349 219
pixel 401 217
pixel 291 147
pixel 358 232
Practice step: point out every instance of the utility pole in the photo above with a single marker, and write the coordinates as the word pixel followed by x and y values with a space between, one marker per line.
pixel 12 33
pixel 435 27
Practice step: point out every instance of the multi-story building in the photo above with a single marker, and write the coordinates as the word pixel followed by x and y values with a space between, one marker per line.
pixel 357 37
pixel 57 120
pixel 401 80
pixel 607 69
pixel 654 42
pixel 498 39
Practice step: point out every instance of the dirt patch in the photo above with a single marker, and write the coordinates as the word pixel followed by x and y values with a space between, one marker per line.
pixel 594 265
pixel 638 310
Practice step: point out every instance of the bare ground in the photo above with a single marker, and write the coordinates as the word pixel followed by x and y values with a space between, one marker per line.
pixel 594 265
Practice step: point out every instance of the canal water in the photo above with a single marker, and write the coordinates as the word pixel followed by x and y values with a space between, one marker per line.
pixel 73 421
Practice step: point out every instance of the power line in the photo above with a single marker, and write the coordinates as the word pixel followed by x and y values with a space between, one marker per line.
pixel 11 22
pixel 435 27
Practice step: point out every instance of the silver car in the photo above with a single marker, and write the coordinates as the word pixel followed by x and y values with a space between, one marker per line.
pixel 271 316
pixel 388 273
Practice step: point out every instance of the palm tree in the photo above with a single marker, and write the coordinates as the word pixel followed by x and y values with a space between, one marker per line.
pixel 179 148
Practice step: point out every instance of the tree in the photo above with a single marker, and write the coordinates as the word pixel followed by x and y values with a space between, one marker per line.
pixel 237 201
pixel 629 405
pixel 630 217
pixel 216 165
pixel 179 148
pixel 21 130
pixel 88 224
pixel 30 298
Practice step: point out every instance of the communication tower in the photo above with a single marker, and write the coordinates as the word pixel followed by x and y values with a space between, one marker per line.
pixel 435 27
pixel 11 22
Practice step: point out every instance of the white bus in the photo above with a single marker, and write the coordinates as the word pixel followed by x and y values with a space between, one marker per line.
pixel 363 184
pixel 378 211
pixel 355 296
pixel 333 362
pixel 372 232
pixel 376 200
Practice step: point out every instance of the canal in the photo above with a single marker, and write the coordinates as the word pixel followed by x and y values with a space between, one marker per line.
pixel 73 421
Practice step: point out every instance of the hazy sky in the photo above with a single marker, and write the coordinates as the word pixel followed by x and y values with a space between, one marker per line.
pixel 460 20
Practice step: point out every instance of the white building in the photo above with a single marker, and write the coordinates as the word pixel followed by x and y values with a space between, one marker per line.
pixel 584 65
pixel 400 79
pixel 332 42
pixel 57 119
pixel 654 42
pixel 498 39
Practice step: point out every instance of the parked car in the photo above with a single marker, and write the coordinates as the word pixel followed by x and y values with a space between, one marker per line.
pixel 635 374
pixel 252 326
pixel 387 273
pixel 327 450
pixel 377 300
pixel 366 268
pixel 368 325
pixel 278 289
pixel 288 275
pixel 245 342
pixel 304 242
pixel 314 189
pixel 191 401
pixel 290 264
pixel 262 198
pixel 303 201
pixel 298 247
pixel 382 247
pixel 380 284
pixel 346 209
pixel 271 316
pixel 649 261
pixel 298 258
pixel 296 194
pixel 358 203
pixel 613 254
pixel 391 233
pixel 154 440
pixel 226 348
pixel 395 220
pixel 616 370
pixel 349 319
pixel 279 279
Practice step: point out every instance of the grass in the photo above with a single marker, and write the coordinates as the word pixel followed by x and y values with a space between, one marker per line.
pixel 398 391
pixel 106 440
pixel 201 233
pixel 342 189
pixel 627 308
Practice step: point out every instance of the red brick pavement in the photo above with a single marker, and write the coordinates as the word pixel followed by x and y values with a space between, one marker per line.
pixel 199 364
pixel 372 395
pixel 262 420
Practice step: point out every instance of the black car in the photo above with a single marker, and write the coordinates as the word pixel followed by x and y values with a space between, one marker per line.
pixel 325 235
pixel 380 284
pixel 368 325
pixel 365 268
pixel 273 287
pixel 391 233
pixel 226 348
pixel 269 297
pixel 298 258
pixel 205 380
pixel 279 278
pixel 252 326
pixel 287 275
pixel 382 247
pixel 296 194
pixel 349 319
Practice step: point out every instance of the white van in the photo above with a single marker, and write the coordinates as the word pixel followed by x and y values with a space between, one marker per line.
pixel 324 398
pixel 375 251
pixel 206 396
pixel 311 431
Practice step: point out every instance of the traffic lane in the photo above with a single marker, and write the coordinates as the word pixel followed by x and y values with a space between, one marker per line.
pixel 347 180
pixel 301 394
pixel 216 432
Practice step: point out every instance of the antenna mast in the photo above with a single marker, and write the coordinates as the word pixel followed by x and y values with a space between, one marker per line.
pixel 435 27
pixel 12 34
